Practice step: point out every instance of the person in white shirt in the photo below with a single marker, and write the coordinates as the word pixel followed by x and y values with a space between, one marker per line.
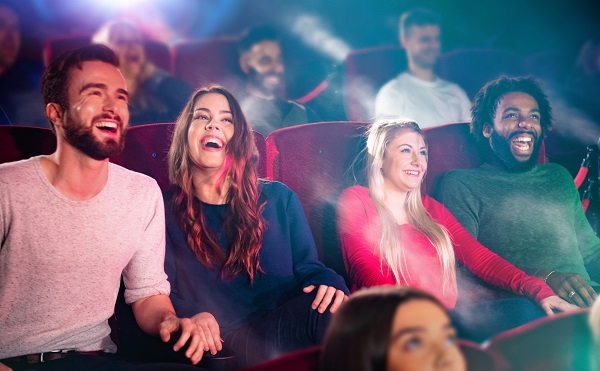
pixel 418 94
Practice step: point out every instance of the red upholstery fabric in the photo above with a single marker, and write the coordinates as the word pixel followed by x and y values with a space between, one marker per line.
pixel 206 61
pixel 366 71
pixel 472 68
pixel 301 360
pixel 451 146
pixel 560 342
pixel 313 160
pixel 147 146
pixel 21 142
pixel 156 51
pixel 477 357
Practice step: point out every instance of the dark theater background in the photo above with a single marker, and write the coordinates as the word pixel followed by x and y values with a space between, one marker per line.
pixel 318 34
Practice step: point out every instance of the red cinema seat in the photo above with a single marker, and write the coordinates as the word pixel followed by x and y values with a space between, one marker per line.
pixel 22 142
pixel 156 51
pixel 208 61
pixel 300 360
pixel 147 147
pixel 367 70
pixel 562 342
pixel 478 357
pixel 314 161
pixel 452 146
pixel 473 68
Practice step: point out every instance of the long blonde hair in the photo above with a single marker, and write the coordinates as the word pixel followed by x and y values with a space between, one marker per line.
pixel 390 248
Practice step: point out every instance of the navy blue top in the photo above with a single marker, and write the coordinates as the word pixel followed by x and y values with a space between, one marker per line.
pixel 288 258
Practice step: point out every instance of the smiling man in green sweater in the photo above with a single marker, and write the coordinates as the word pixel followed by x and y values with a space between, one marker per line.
pixel 528 213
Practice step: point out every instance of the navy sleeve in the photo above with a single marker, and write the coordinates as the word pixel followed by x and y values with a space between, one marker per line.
pixel 307 267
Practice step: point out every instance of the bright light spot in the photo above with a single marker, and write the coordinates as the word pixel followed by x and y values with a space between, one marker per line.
pixel 312 32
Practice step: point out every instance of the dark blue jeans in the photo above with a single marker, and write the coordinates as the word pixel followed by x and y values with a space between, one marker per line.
pixel 482 320
pixel 292 326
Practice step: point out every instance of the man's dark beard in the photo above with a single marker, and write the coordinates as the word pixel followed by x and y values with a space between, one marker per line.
pixel 82 138
pixel 257 80
pixel 501 150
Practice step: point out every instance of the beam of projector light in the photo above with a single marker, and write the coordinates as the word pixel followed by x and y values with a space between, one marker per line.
pixel 312 32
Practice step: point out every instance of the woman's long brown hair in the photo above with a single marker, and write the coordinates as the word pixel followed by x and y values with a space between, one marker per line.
pixel 244 225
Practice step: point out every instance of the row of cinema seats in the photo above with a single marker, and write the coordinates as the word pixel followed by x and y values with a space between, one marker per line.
pixel 215 59
pixel 316 161
pixel 197 62
pixel 560 343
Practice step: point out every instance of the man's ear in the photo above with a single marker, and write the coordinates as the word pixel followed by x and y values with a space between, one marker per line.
pixel 55 113
pixel 244 63
pixel 402 40
pixel 487 130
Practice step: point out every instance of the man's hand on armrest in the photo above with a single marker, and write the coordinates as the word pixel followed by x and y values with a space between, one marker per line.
pixel 156 316
pixel 569 286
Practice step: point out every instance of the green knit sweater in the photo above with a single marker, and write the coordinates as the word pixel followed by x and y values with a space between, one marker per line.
pixel 533 219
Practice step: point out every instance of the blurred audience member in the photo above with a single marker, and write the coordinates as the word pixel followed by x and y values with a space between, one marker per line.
pixel 154 95
pixel 583 83
pixel 20 96
pixel 391 328
pixel 418 93
pixel 262 62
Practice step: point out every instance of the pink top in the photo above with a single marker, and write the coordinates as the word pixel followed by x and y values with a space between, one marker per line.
pixel 360 231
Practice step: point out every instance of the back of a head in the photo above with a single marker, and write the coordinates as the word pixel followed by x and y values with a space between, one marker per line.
pixel 105 32
pixel 418 17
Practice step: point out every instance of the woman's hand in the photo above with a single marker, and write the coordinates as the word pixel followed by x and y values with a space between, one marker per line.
pixel 554 302
pixel 325 294
pixel 209 331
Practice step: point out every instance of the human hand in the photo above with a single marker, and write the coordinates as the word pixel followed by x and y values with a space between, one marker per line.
pixel 3 367
pixel 209 332
pixel 188 331
pixel 572 287
pixel 325 294
pixel 554 302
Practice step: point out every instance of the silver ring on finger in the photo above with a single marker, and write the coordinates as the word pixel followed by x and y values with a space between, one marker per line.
pixel 571 294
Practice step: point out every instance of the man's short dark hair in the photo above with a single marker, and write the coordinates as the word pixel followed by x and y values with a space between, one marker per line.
pixel 255 35
pixel 55 80
pixel 418 17
pixel 487 99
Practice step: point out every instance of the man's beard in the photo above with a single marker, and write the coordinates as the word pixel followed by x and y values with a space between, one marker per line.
pixel 83 138
pixel 258 81
pixel 501 149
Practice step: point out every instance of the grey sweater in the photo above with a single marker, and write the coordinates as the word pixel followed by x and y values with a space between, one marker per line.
pixel 532 219
pixel 61 260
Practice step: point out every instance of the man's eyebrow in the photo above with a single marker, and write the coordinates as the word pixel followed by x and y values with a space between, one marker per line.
pixel 93 85
pixel 103 87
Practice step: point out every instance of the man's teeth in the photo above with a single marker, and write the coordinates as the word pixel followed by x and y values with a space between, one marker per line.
pixel 106 125
pixel 522 143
